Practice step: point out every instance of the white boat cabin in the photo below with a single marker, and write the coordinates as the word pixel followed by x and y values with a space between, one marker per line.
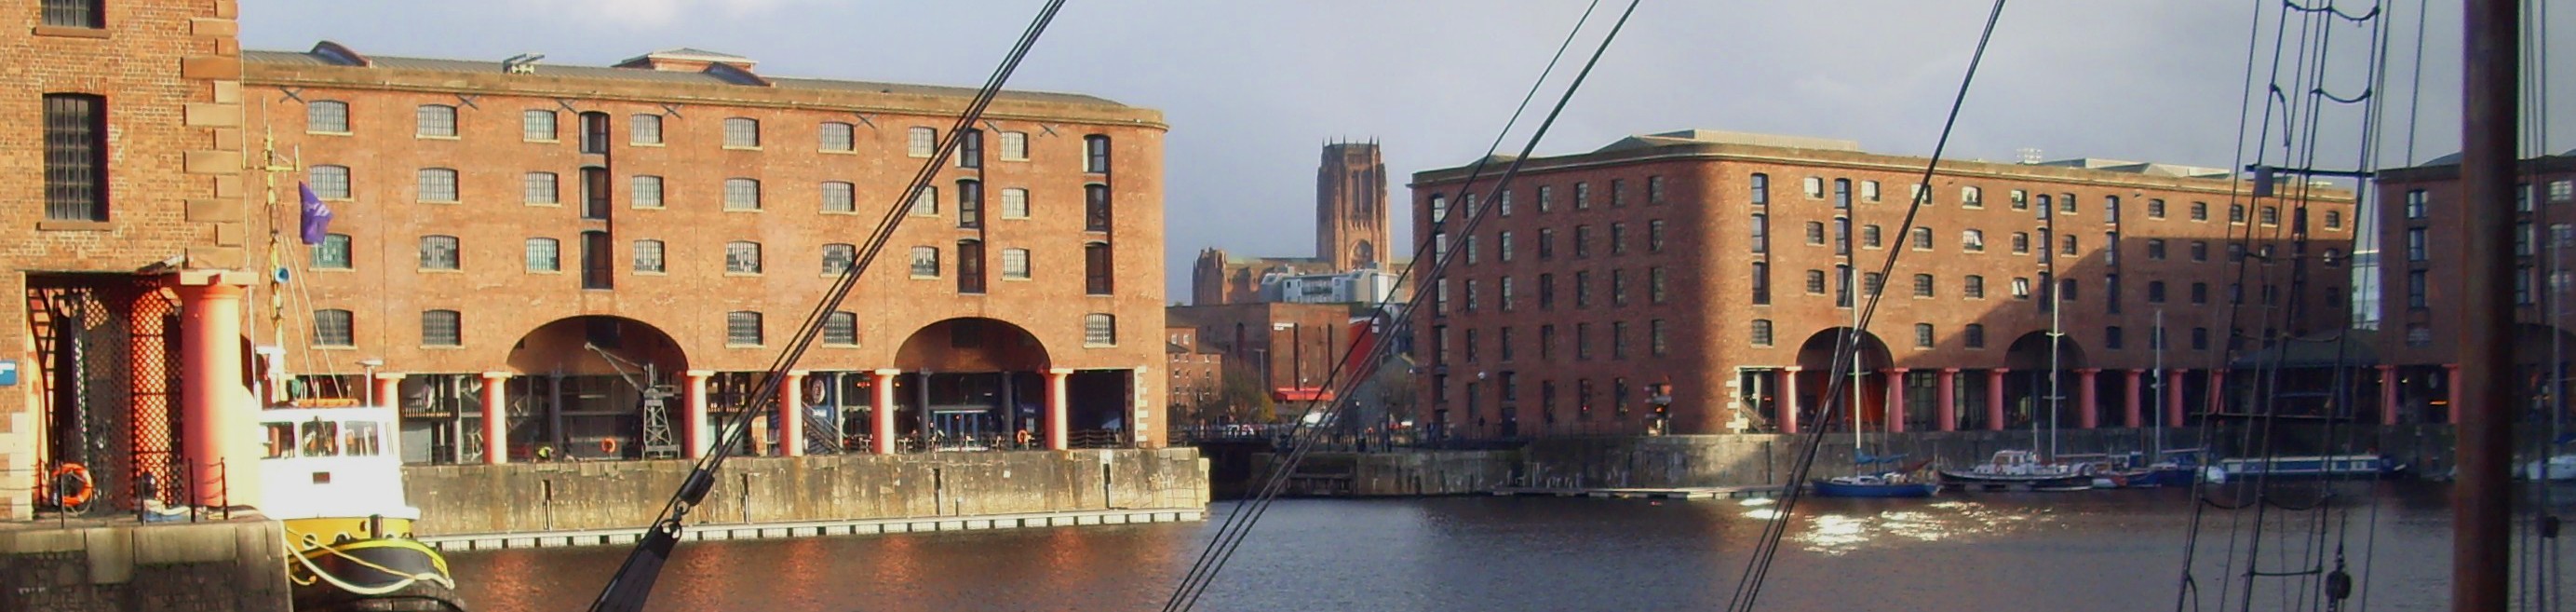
pixel 331 462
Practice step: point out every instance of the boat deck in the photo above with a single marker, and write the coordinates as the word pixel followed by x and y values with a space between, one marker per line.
pixel 1761 491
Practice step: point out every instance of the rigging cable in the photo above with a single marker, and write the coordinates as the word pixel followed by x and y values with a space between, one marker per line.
pixel 1758 568
pixel 1303 438
pixel 632 585
pixel 1238 524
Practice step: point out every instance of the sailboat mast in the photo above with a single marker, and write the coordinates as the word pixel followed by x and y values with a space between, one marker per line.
pixel 1857 468
pixel 2159 385
pixel 2056 338
pixel 2481 557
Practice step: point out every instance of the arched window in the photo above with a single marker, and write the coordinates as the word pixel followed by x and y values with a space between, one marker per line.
pixel 841 329
pixel 1095 207
pixel 1762 332
pixel 1923 336
pixel 970 203
pixel 742 257
pixel 1973 241
pixel 434 121
pixel 837 258
pixel 438 253
pixel 925 262
pixel 437 185
pixel 1973 336
pixel 644 130
pixel 1095 154
pixel 742 328
pixel 1923 238
pixel 741 133
pixel 838 136
pixel 326 117
pixel 970 266
pixel 742 194
pixel 442 328
pixel 970 149
pixel 542 188
pixel 1015 264
pixel 1015 203
pixel 537 125
pixel 544 255
pixel 839 197
pixel 1761 189
pixel 1099 329
pixel 332 253
pixel 330 182
pixel 1096 270
pixel 1923 285
pixel 594 132
pixel 333 327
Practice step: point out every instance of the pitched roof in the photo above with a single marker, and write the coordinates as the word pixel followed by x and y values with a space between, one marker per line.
pixel 325 55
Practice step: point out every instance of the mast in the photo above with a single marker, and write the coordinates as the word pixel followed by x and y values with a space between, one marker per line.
pixel 2056 306
pixel 2159 386
pixel 2481 558
pixel 1857 467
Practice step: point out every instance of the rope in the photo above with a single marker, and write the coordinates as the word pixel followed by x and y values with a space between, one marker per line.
pixel 1758 568
pixel 406 579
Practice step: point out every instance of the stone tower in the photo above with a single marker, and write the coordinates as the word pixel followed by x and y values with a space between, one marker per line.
pixel 1350 207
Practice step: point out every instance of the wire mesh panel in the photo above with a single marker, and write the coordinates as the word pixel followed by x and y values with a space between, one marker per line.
pixel 107 350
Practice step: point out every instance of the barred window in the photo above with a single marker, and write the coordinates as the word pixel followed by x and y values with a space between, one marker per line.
pixel 1099 330
pixel 333 327
pixel 1923 285
pixel 544 255
pixel 1923 336
pixel 839 136
pixel 75 156
pixel 1655 283
pixel 741 194
pixel 742 328
pixel 437 185
pixel 434 121
pixel 438 253
pixel 537 126
pixel 841 329
pixel 1973 336
pixel 1015 146
pixel 1658 341
pixel 921 141
pixel 1975 288
pixel 1762 332
pixel 742 257
pixel 837 258
pixel 326 117
pixel 839 197
pixel 1015 264
pixel 645 191
pixel 926 204
pixel 442 328
pixel 542 188
pixel 331 182
pixel 644 130
pixel 1015 203
pixel 333 253
pixel 648 256
pixel 741 133
pixel 925 262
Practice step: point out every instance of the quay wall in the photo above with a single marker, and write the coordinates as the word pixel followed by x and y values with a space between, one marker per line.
pixel 231 566
pixel 577 496
pixel 1737 460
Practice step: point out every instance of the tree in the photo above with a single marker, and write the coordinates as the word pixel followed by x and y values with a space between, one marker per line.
pixel 1243 397
pixel 1395 382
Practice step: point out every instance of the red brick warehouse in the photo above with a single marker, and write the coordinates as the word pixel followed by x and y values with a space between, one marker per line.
pixel 516 241
pixel 1724 264
pixel 2418 272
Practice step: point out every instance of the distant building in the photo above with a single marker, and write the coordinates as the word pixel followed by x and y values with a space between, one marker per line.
pixel 1366 286
pixel 2420 280
pixel 1350 234
pixel 1727 266
pixel 1293 347
pixel 1197 373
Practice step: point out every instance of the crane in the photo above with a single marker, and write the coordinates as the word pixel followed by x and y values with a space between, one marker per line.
pixel 658 443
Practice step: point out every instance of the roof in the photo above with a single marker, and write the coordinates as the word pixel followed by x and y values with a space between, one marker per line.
pixel 2146 168
pixel 333 54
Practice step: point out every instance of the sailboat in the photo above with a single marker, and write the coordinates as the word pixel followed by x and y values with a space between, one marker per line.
pixel 2165 467
pixel 2027 470
pixel 1863 482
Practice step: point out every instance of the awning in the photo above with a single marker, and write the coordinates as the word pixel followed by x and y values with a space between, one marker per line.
pixel 1298 394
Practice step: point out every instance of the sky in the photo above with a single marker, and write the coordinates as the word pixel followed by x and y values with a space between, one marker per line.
pixel 1253 88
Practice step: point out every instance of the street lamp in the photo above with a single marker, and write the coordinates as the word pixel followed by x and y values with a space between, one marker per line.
pixel 370 364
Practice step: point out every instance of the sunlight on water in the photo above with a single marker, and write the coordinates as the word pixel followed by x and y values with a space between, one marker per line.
pixel 1845 533
pixel 1757 501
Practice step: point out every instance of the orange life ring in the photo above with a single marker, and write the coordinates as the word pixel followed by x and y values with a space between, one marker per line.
pixel 608 445
pixel 75 497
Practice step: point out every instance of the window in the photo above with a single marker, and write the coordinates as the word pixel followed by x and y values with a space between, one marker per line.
pixel 1095 207
pixel 537 126
pixel 838 136
pixel 1618 238
pixel 742 257
pixel 1973 336
pixel 837 258
pixel 1761 236
pixel 2334 219
pixel 1972 197
pixel 1762 332
pixel 644 130
pixel 1816 233
pixel 1655 236
pixel 1582 290
pixel 1501 207
pixel 2155 292
pixel 437 185
pixel 925 262
pixel 1923 285
pixel 644 191
pixel 970 149
pixel 742 194
pixel 1923 336
pixel 2156 208
pixel 326 117
pixel 1761 282
pixel 1468 289
pixel 1654 190
pixel 1015 264
pixel 2331 258
pixel 544 255
pixel 330 182
pixel 970 203
pixel 2020 199
pixel 1546 199
pixel 1096 270
pixel 2066 287
pixel 2235 213
pixel 2069 243
pixel 921 141
pixel 2416 244
pixel 434 121
pixel 2561 191
pixel 1871 283
pixel 333 327
pixel 1502 245
pixel 2111 209
pixel 926 203
pixel 1868 235
pixel 594 132
pixel 2021 243
pixel 1582 195
pixel 1015 203
pixel 970 266
pixel 1761 189
pixel 441 328
pixel 2418 334
pixel 1842 193
pixel 75 155
pixel 1815 282
pixel 2271 215
pixel 1655 285
pixel 839 197
pixel 1973 241
pixel 541 188
pixel 2416 288
pixel 1099 330
pixel 648 256
pixel 1975 289
pixel 742 328
pixel 1546 291
pixel 2199 251
pixel 2156 249
pixel 2114 338
pixel 741 133
pixel 1618 339
pixel 1015 146
pixel 1916 193
pixel 332 253
pixel 1503 292
pixel 596 269
pixel 438 253
pixel 1095 154
pixel 841 329
pixel 2021 288
pixel 2066 203
pixel 1922 239
pixel 1815 188
pixel 594 193
pixel 2047 206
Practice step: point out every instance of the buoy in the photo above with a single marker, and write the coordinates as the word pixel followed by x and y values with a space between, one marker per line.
pixel 76 490
pixel 608 445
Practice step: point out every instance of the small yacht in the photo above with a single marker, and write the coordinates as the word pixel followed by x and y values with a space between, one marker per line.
pixel 2020 470
pixel 334 479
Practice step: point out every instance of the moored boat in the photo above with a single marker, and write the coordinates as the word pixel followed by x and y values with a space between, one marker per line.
pixel 334 481
pixel 2313 466
pixel 2019 470
pixel 1888 485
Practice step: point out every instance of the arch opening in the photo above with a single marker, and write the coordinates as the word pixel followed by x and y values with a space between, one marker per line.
pixel 1816 379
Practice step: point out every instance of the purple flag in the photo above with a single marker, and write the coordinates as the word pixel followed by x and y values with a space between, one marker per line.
pixel 317 217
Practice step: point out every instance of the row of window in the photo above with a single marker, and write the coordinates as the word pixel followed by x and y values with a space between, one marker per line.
pixel 1658 291
pixel 1974 241
pixel 541 125
pixel 338 328
pixel 1547 198
pixel 1973 335
pixel 440 252
pixel 1974 197
pixel 1506 387
pixel 439 185
pixel 1658 342
pixel 1582 242
pixel 2419 204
